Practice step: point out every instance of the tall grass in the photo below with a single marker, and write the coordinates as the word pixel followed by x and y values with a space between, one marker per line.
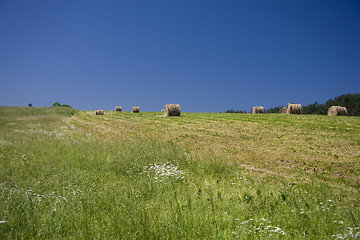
pixel 80 177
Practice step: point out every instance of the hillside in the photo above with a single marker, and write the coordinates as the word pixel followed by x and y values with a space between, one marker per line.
pixel 198 176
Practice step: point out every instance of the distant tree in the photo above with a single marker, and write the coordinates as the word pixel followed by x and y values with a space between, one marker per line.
pixel 350 101
pixel 29 105
pixel 235 111
pixel 314 108
pixel 57 104
pixel 273 110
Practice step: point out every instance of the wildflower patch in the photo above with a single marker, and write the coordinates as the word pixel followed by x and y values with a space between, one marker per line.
pixel 164 172
pixel 348 232
pixel 262 228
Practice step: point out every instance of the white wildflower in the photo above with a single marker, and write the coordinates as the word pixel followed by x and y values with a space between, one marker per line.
pixel 340 236
pixel 259 228
pixel 165 171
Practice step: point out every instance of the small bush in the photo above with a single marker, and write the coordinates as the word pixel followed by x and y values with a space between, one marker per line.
pixel 57 104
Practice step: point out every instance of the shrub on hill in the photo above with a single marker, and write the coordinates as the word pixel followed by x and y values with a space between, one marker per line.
pixel 57 104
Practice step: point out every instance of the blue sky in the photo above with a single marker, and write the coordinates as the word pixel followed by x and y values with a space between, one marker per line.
pixel 207 56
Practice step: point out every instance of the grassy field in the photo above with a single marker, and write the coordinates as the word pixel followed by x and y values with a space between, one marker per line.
pixel 74 175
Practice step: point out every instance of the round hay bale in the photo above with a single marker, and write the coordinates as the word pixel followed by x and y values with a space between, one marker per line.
pixel 118 109
pixel 282 110
pixel 136 109
pixel 257 110
pixel 293 108
pixel 171 110
pixel 337 111
pixel 99 112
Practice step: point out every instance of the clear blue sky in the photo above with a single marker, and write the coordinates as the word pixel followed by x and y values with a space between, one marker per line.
pixel 208 56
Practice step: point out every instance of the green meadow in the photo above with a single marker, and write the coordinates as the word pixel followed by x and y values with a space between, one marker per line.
pixel 67 174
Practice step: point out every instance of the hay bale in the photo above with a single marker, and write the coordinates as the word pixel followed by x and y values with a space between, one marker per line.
pixel 99 112
pixel 162 110
pixel 257 110
pixel 282 110
pixel 118 109
pixel 136 109
pixel 337 111
pixel 171 110
pixel 293 108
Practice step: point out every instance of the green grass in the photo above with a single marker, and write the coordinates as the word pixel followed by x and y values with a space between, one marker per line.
pixel 75 175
